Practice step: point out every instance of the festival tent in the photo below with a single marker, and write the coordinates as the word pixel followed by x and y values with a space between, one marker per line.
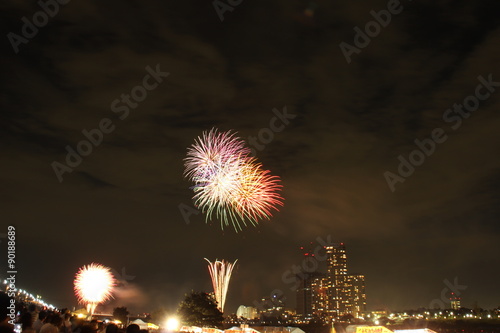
pixel 142 324
pixel 295 330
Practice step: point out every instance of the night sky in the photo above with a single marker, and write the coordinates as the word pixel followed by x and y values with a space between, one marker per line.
pixel 351 120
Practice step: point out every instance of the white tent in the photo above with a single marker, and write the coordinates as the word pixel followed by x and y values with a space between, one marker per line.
pixel 295 330
pixel 142 325
pixel 418 330
pixel 242 330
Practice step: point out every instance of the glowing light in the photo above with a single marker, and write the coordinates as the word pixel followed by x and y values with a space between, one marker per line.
pixel 229 182
pixel 172 324
pixel 152 326
pixel 220 272
pixel 93 285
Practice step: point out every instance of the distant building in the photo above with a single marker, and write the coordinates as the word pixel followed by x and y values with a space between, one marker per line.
pixel 275 302
pixel 379 313
pixel 248 312
pixel 455 302
pixel 357 294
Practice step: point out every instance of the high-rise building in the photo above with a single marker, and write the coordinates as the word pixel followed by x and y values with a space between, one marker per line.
pixel 338 288
pixel 304 295
pixel 334 294
pixel 358 294
pixel 319 293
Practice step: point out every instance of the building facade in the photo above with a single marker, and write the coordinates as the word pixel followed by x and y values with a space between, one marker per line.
pixel 247 312
pixel 333 294
pixel 357 295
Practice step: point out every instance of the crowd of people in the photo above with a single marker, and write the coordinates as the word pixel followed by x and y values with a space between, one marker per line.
pixel 30 319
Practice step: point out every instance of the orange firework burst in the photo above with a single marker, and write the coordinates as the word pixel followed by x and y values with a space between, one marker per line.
pixel 93 285
pixel 258 193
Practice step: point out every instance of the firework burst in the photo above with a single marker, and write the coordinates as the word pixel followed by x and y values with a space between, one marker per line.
pixel 229 182
pixel 93 285
pixel 220 272
pixel 212 152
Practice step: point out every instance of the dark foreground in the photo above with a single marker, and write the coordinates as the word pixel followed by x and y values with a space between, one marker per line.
pixel 440 326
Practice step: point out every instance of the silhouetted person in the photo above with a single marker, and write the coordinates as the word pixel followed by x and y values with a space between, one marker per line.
pixel 34 312
pixel 66 325
pixel 26 323
pixel 48 327
pixel 111 328
pixel 133 328
pixel 76 324
pixel 94 324
pixel 101 327
pixel 87 329
pixel 57 321
pixel 37 325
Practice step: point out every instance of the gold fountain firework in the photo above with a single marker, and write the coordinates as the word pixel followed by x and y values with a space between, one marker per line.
pixel 220 272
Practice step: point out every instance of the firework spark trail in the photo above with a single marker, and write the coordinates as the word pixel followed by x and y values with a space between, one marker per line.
pixel 229 182
pixel 220 272
pixel 94 284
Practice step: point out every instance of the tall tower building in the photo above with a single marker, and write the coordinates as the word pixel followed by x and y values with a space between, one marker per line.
pixel 304 296
pixel 336 270
pixel 334 294
pixel 311 291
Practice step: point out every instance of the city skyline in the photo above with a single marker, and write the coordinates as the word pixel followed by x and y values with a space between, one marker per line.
pixel 323 299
